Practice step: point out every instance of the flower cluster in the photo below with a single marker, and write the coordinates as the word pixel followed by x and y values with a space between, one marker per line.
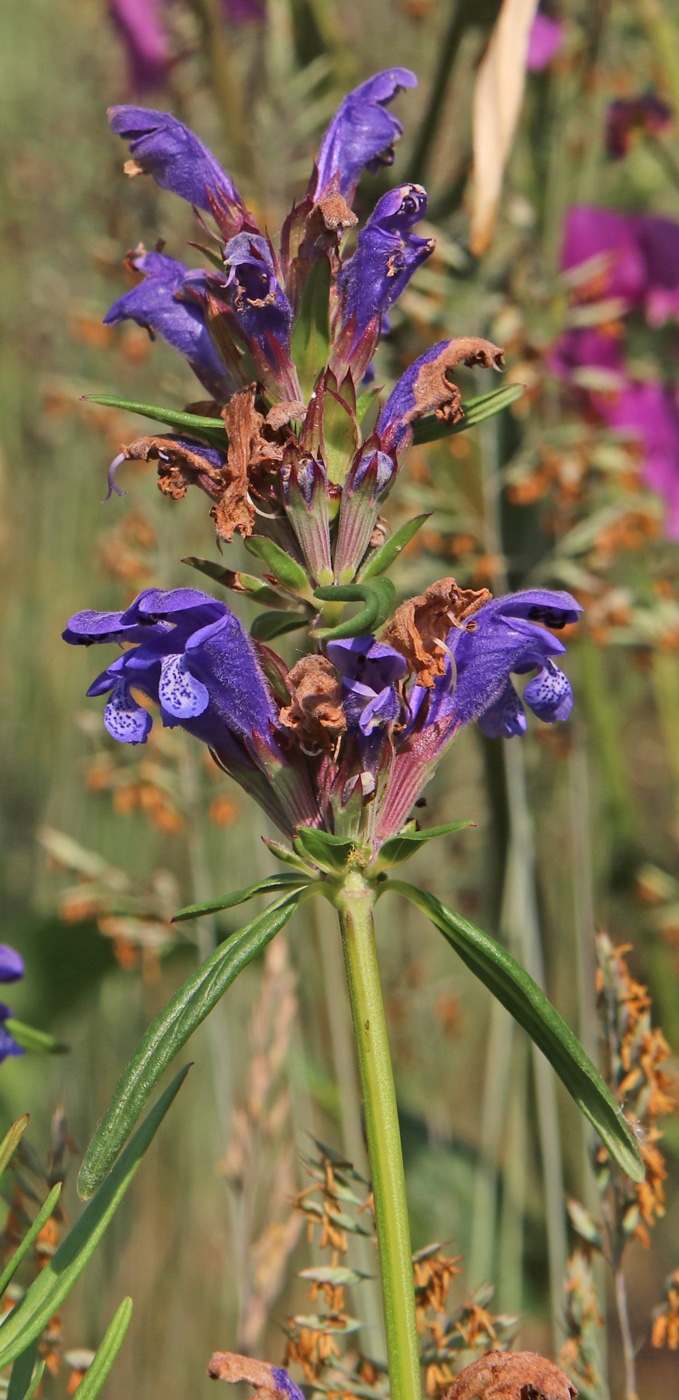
pixel 282 339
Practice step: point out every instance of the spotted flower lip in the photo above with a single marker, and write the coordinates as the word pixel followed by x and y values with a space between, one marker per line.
pixel 361 134
pixel 163 147
pixel 387 255
pixel 157 304
pixel 369 672
pixel 506 637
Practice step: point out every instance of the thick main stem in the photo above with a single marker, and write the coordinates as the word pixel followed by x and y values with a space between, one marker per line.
pixel 354 902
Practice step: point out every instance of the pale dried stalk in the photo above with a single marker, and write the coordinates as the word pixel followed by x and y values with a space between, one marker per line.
pixel 498 94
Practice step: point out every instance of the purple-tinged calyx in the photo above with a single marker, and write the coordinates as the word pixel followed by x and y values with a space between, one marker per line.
pixel 163 147
pixel 425 387
pixel 387 255
pixel 307 508
pixel 158 305
pixel 364 490
pixel 361 134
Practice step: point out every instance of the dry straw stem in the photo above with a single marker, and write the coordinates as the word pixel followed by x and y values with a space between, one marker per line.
pixel 498 95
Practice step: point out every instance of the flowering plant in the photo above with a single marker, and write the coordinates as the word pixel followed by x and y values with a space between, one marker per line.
pixel 296 455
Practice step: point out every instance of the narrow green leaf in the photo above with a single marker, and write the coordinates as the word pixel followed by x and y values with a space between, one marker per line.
pixel 400 848
pixel 229 901
pixel 106 1352
pixel 282 566
pixel 33 1041
pixel 12 1139
pixel 35 1383
pixel 475 411
pixel 32 1233
pixel 22 1370
pixel 275 624
pixel 211 429
pixel 287 856
pixel 329 852
pixel 310 341
pixel 55 1281
pixel 170 1031
pixel 382 559
pixel 254 587
pixel 516 990
pixel 378 598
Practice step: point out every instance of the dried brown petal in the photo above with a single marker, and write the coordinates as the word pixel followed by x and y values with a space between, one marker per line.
pixel 419 627
pixel 315 713
pixel 178 465
pixel 228 1366
pixel 511 1375
pixel 434 392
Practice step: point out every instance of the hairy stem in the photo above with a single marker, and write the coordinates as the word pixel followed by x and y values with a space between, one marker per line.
pixel 354 902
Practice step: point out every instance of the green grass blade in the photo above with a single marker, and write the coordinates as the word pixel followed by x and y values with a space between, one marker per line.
pixel 170 1031
pixel 284 881
pixel 211 429
pixel 48 1290
pixel 12 1139
pixel 22 1370
pixel 516 990
pixel 34 1042
pixel 399 848
pixel 33 1387
pixel 106 1352
pixel 20 1253
pixel 475 411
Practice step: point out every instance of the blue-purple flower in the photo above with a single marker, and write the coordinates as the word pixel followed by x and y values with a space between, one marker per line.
pixel 425 387
pixel 261 309
pixel 369 672
pixel 163 147
pixel 11 970
pixel 163 305
pixel 387 255
pixel 361 134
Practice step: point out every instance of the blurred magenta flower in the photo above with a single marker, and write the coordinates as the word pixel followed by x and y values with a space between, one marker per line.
pixel 633 257
pixel 650 412
pixel 645 114
pixel 545 40
pixel 141 28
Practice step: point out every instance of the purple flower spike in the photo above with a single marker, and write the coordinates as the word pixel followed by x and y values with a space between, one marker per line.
pixel 544 42
pixel 156 305
pixel 362 133
pixel 387 255
pixel 260 306
pixel 11 964
pixel 141 29
pixel 163 147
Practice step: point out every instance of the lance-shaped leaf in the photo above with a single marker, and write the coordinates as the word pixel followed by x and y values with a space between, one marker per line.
pixel 527 1003
pixel 22 1371
pixel 310 341
pixel 282 566
pixel 21 1251
pixel 106 1352
pixel 212 429
pixel 377 597
pixel 12 1139
pixel 250 584
pixel 170 1031
pixel 275 624
pixel 382 559
pixel 32 1041
pixel 48 1290
pixel 475 411
pixel 269 885
pixel 402 847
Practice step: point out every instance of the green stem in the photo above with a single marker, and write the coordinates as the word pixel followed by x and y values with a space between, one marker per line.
pixel 354 902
